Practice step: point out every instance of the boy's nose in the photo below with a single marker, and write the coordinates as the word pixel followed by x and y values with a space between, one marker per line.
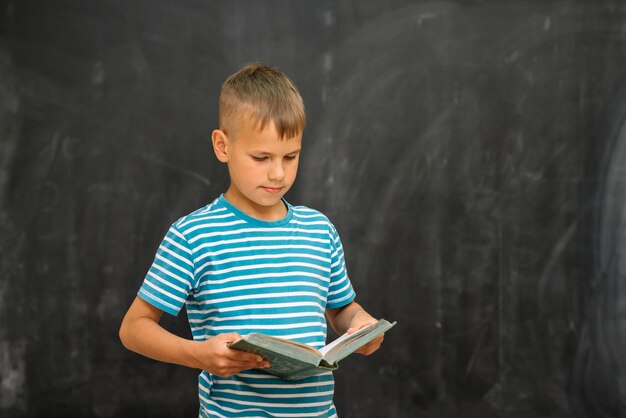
pixel 277 172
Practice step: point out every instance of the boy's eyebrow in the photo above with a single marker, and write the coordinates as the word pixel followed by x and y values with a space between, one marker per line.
pixel 261 152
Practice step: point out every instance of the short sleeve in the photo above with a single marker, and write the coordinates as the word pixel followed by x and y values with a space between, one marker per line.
pixel 171 276
pixel 340 292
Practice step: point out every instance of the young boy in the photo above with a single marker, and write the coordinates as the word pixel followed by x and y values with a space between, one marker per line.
pixel 250 262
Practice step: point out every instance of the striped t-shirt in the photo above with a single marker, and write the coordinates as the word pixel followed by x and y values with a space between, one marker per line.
pixel 239 274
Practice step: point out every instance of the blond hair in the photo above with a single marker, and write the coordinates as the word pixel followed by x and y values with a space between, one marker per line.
pixel 266 95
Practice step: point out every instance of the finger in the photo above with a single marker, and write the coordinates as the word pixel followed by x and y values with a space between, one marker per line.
pixel 355 328
pixel 246 365
pixel 231 371
pixel 249 360
pixel 352 330
pixel 372 346
pixel 237 355
pixel 370 350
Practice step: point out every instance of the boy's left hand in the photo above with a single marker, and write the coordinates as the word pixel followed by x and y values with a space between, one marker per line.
pixel 361 320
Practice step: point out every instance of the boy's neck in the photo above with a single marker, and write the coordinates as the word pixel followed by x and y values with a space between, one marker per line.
pixel 262 213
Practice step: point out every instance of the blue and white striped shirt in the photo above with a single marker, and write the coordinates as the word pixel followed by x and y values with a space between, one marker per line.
pixel 239 274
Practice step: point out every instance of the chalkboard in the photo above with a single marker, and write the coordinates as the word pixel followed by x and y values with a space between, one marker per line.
pixel 470 153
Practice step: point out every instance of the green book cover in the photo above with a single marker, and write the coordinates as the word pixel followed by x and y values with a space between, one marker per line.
pixel 291 360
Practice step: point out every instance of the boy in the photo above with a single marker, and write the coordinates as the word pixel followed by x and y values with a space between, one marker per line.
pixel 250 262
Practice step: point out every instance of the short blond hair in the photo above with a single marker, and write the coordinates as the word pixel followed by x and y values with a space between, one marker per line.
pixel 266 95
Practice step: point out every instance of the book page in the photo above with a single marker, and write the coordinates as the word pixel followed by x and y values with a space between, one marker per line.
pixel 347 344
pixel 326 349
pixel 295 344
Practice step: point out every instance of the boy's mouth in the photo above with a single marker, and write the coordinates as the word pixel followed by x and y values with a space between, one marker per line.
pixel 272 190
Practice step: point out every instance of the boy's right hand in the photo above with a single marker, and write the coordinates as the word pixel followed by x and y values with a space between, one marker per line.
pixel 214 356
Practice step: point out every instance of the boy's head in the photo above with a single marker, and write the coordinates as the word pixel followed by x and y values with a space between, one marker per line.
pixel 264 95
pixel 260 136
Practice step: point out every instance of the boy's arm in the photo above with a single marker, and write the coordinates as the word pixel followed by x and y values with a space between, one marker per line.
pixel 140 332
pixel 351 318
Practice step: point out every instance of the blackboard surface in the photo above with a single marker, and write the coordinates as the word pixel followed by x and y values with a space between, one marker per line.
pixel 472 155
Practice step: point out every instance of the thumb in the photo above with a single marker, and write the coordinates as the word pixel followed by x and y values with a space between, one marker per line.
pixel 230 337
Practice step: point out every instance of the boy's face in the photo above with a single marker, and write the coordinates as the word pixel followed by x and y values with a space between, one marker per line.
pixel 262 167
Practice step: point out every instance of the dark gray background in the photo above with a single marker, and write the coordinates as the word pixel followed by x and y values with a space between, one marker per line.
pixel 472 155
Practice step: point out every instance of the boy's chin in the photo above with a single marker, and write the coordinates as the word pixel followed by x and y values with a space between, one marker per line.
pixel 269 203
pixel 270 198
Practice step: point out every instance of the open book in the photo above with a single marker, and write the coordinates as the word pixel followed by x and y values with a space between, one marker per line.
pixel 294 361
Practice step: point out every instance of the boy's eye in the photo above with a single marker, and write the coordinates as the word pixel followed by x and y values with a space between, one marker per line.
pixel 290 157
pixel 259 158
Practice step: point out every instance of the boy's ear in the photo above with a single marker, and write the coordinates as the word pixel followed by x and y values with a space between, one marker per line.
pixel 220 145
